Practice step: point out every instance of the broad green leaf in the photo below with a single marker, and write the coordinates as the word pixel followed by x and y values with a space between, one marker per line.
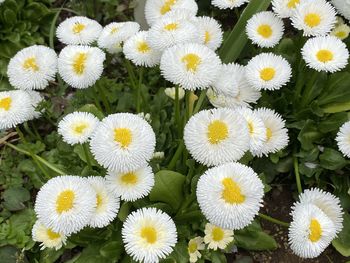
pixel 124 211
pixel 336 107
pixel 337 90
pixel 79 149
pixel 91 108
pixel 112 250
pixel 9 254
pixel 217 257
pixel 168 188
pixel 342 242
pixel 309 134
pixel 332 159
pixel 15 197
pixel 180 253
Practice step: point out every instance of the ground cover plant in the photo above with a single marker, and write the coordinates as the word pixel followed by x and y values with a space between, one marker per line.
pixel 174 131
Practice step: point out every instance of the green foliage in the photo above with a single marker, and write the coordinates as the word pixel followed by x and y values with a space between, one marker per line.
pixel 342 243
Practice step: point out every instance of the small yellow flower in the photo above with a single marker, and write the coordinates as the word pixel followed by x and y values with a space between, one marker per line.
pixel 217 237
pixel 341 31
pixel 194 245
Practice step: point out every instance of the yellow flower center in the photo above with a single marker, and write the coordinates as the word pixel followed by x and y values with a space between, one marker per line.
pixel 267 74
pixel 324 55
pixel 78 27
pixel 207 37
pixel 167 6
pixel 99 200
pixel 265 31
pixel 5 103
pixel 268 134
pixel 65 201
pixel 114 30
pixel 232 192
pixel 143 47
pixel 30 64
pixel 315 230
pixel 192 247
pixel 150 234
pixel 312 19
pixel 80 128
pixel 192 62
pixel 217 234
pixel 171 26
pixel 129 178
pixel 79 62
pixel 217 132
pixel 52 235
pixel 341 34
pixel 250 127
pixel 292 3
pixel 123 136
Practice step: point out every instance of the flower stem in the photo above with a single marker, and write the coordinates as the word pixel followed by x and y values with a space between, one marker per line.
pixel 138 97
pixel 200 101
pixel 101 91
pixel 305 98
pixel 273 220
pixel 297 175
pixel 87 155
pixel 176 156
pixel 177 110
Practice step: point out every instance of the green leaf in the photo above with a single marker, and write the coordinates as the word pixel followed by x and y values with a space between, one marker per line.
pixel 79 149
pixel 10 17
pixel 91 108
pixel 15 197
pixel 309 134
pixel 180 253
pixel 342 242
pixel 168 188
pixel 337 91
pixel 124 211
pixel 236 41
pixel 9 254
pixel 217 257
pixel 112 250
pixel 332 159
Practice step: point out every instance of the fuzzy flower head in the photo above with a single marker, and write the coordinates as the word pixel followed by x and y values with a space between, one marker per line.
pixel 114 34
pixel 157 9
pixel 81 66
pixel 210 31
pixel 284 8
pixel 265 29
pixel 77 127
pixel 343 7
pixel 78 30
pixel 138 50
pixel 310 232
pixel 132 185
pixel 217 237
pixel 47 237
pixel 268 71
pixel 192 66
pixel 65 204
pixel 149 235
pixel 314 17
pixel 341 31
pixel 343 139
pixel 123 142
pixel 326 53
pixel 32 68
pixel 228 4
pixel 195 245
pixel 171 93
pixel 230 195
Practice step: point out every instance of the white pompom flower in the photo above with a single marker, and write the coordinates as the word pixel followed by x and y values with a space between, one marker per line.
pixel 78 30
pixel 123 142
pixel 230 195
pixel 192 66
pixel 216 237
pixel 265 29
pixel 216 136
pixel 225 4
pixel 343 7
pixel 149 235
pixel 341 31
pixel 138 50
pixel 284 8
pixel 343 139
pixel 268 71
pixel 47 237
pixel 81 66
pixel 65 204
pixel 32 68
pixel 210 31
pixel 77 127
pixel 326 53
pixel 314 17
pixel 107 204
pixel 132 185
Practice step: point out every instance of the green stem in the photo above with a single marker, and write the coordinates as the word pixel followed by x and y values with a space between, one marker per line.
pixel 138 97
pixel 42 169
pixel 20 134
pixel 177 110
pixel 297 175
pixel 87 155
pixel 200 101
pixel 67 10
pixel 176 156
pixel 305 99
pixel 131 73
pixel 101 91
pixel 273 220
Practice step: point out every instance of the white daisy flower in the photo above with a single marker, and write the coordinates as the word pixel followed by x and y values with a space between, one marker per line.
pixel 192 66
pixel 138 50
pixel 276 132
pixel 149 235
pixel 343 138
pixel 133 185
pixel 216 237
pixel 158 155
pixel 77 127
pixel 256 128
pixel 327 53
pixel 78 30
pixel 32 68
pixel 314 17
pixel 81 66
pixel 123 142
pixel 107 204
pixel 265 29
pixel 210 31
pixel 171 93
pixel 341 31
pixel 216 136
pixel 47 237
pixel 268 71
pixel 156 9
pixel 343 7
pixel 36 99
pixel 181 14
pixel 224 4
pixel 310 232
pixel 230 195
pixel 170 31
pixel 114 34
pixel 328 203
pixel 284 8
pixel 65 204
pixel 194 246
pixel 16 106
